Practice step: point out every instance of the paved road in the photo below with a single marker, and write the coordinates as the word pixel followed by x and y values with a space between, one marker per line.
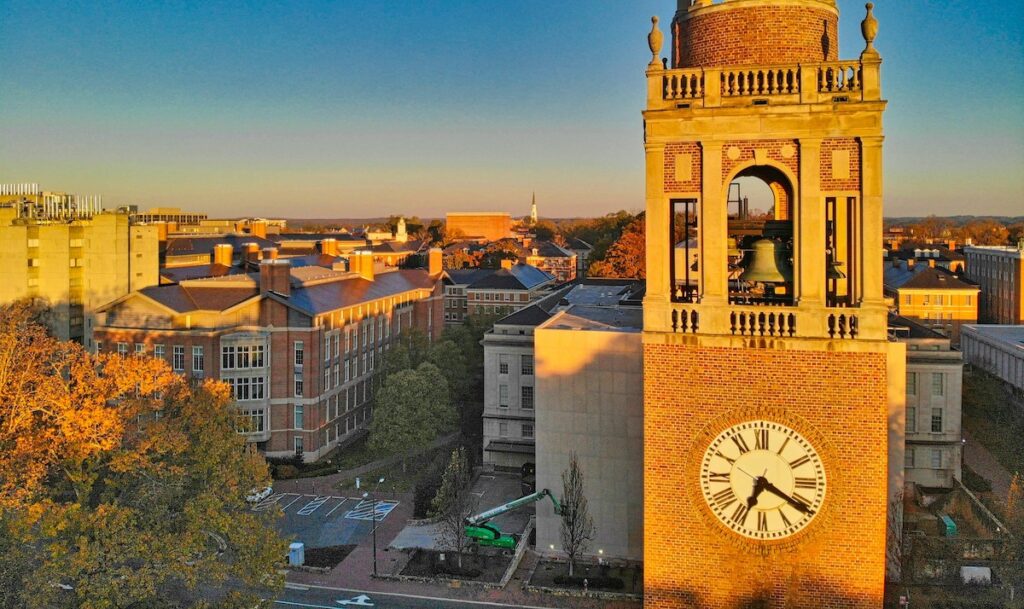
pixel 319 597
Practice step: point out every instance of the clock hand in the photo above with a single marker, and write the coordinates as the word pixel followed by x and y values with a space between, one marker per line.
pixel 798 506
pixel 759 487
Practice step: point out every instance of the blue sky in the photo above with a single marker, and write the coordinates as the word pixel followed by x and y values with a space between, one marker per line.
pixel 358 108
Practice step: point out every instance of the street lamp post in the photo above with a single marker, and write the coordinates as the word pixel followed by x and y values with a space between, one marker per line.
pixel 373 519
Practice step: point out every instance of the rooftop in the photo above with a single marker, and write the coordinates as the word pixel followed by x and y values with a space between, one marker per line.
pixel 583 317
pixel 1009 335
pixel 924 277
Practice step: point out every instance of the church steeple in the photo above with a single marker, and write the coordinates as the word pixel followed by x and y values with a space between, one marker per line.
pixel 533 210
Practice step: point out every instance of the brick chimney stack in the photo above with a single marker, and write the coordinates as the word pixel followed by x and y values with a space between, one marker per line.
pixel 365 269
pixel 251 252
pixel 275 276
pixel 222 254
pixel 435 261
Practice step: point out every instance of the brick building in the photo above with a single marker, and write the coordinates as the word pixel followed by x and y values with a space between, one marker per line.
pixel 933 296
pixel 1000 273
pixel 553 259
pixel 297 345
pixel 489 226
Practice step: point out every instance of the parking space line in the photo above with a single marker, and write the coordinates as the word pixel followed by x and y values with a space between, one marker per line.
pixel 370 510
pixel 297 497
pixel 341 503
pixel 267 503
pixel 313 506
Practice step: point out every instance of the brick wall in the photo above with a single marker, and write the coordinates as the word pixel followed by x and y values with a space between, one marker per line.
pixel 839 402
pixel 683 179
pixel 754 35
pixel 831 176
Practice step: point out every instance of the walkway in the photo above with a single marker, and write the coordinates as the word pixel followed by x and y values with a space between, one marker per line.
pixel 977 457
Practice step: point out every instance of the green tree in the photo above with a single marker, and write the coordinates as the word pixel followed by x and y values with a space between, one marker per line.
pixel 454 503
pixel 411 410
pixel 545 230
pixel 138 496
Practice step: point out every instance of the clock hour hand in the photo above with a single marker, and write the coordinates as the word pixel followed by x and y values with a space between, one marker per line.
pixel 797 505
pixel 759 487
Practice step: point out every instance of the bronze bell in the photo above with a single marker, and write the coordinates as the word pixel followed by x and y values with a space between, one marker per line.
pixel 833 272
pixel 766 265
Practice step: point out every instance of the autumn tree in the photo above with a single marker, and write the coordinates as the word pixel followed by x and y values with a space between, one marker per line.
pixel 122 485
pixel 577 530
pixel 626 258
pixel 411 410
pixel 454 503
pixel 495 252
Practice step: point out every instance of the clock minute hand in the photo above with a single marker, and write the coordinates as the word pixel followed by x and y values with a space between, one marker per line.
pixel 798 506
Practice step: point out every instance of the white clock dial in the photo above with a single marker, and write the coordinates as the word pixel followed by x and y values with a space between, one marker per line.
pixel 763 480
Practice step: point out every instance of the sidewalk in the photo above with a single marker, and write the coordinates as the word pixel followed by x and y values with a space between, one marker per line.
pixel 977 457
pixel 356 570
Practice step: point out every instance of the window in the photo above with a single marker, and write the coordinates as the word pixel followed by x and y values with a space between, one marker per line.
pixel 503 363
pixel 911 383
pixel 348 340
pixel 337 374
pixel 503 396
pixel 908 458
pixel 911 419
pixel 140 348
pixel 527 430
pixel 327 378
pixel 298 445
pixel 938 384
pixel 526 394
pixel 99 346
pixel 327 347
pixel 298 385
pixel 503 429
pixel 936 420
pixel 257 356
pixel 371 360
pixel 527 365
pixel 300 353
pixel 122 348
pixel 227 358
pixel 256 422
pixel 337 345
pixel 158 351
pixel 347 377
pixel 198 361
pixel 178 358
pixel 298 415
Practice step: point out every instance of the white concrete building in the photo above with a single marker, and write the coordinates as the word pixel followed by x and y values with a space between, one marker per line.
pixel 998 350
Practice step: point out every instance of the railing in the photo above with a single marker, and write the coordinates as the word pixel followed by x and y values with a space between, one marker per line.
pixel 827 82
pixel 770 322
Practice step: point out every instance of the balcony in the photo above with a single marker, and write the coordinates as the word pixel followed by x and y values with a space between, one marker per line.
pixel 842 323
pixel 806 83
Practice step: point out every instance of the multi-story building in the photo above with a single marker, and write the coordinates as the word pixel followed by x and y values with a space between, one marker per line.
pixel 489 226
pixel 998 350
pixel 297 345
pixel 506 290
pixel 933 296
pixel 1000 273
pixel 74 264
pixel 932 457
pixel 456 301
pixel 582 249
pixel 509 366
pixel 167 214
pixel 942 255
pixel 554 260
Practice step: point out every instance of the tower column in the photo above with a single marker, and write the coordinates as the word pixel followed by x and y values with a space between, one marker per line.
pixel 809 233
pixel 658 215
pixel 714 226
pixel 871 206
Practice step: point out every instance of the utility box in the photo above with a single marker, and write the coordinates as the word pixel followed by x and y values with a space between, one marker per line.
pixel 976 575
pixel 296 554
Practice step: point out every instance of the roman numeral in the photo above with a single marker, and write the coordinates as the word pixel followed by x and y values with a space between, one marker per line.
pixel 719 454
pixel 740 515
pixel 785 441
pixel 806 483
pixel 798 497
pixel 724 498
pixel 802 460
pixel 714 477
pixel 784 519
pixel 762 521
pixel 761 439
pixel 741 444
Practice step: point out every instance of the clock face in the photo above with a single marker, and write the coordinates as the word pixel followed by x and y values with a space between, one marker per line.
pixel 763 480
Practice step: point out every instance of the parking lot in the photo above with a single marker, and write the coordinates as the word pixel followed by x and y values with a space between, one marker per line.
pixel 326 520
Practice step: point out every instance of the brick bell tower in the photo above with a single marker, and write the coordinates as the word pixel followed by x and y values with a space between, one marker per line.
pixel 769 381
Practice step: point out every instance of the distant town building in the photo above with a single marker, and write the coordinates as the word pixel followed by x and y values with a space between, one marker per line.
pixel 932 457
pixel 167 214
pixel 582 249
pixel 297 345
pixel 944 255
pixel 490 226
pixel 456 300
pixel 506 290
pixel 553 259
pixel 73 261
pixel 933 296
pixel 996 349
pixel 1000 273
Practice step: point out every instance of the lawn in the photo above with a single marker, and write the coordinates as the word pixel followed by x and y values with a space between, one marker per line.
pixel 992 417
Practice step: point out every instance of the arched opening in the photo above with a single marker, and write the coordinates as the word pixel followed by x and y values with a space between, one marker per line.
pixel 760 247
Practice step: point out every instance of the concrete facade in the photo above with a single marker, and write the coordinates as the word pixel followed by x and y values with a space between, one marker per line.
pixel 998 350
pixel 1000 273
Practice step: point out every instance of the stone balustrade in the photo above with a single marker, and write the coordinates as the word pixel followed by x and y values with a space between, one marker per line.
pixel 767 322
pixel 806 83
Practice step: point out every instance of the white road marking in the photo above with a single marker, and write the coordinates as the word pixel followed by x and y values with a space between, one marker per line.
pixel 313 506
pixel 297 497
pixel 360 601
pixel 336 507
pixel 265 505
pixel 299 587
pixel 365 510
pixel 415 597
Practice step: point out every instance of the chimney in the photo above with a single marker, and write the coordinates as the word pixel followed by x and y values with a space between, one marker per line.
pixel 270 253
pixel 527 241
pixel 910 263
pixel 435 258
pixel 161 231
pixel 506 264
pixel 251 252
pixel 275 276
pixel 222 254
pixel 951 245
pixel 329 247
pixel 365 268
pixel 258 229
pixel 931 262
pixel 353 262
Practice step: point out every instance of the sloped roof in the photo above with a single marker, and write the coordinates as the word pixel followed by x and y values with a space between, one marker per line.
pixel 468 276
pixel 924 277
pixel 548 249
pixel 579 244
pixel 177 274
pixel 188 245
pixel 184 298
pixel 353 289
pixel 519 277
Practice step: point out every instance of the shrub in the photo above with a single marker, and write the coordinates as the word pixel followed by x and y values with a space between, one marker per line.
pixel 285 472
pixel 975 482
pixel 426 489
pixel 606 583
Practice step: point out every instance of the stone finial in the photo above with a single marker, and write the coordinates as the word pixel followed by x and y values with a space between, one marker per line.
pixel 655 40
pixel 869 28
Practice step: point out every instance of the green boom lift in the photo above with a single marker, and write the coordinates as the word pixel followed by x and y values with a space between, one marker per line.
pixel 484 534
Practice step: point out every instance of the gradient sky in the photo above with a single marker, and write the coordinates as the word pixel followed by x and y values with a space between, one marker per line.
pixel 363 108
